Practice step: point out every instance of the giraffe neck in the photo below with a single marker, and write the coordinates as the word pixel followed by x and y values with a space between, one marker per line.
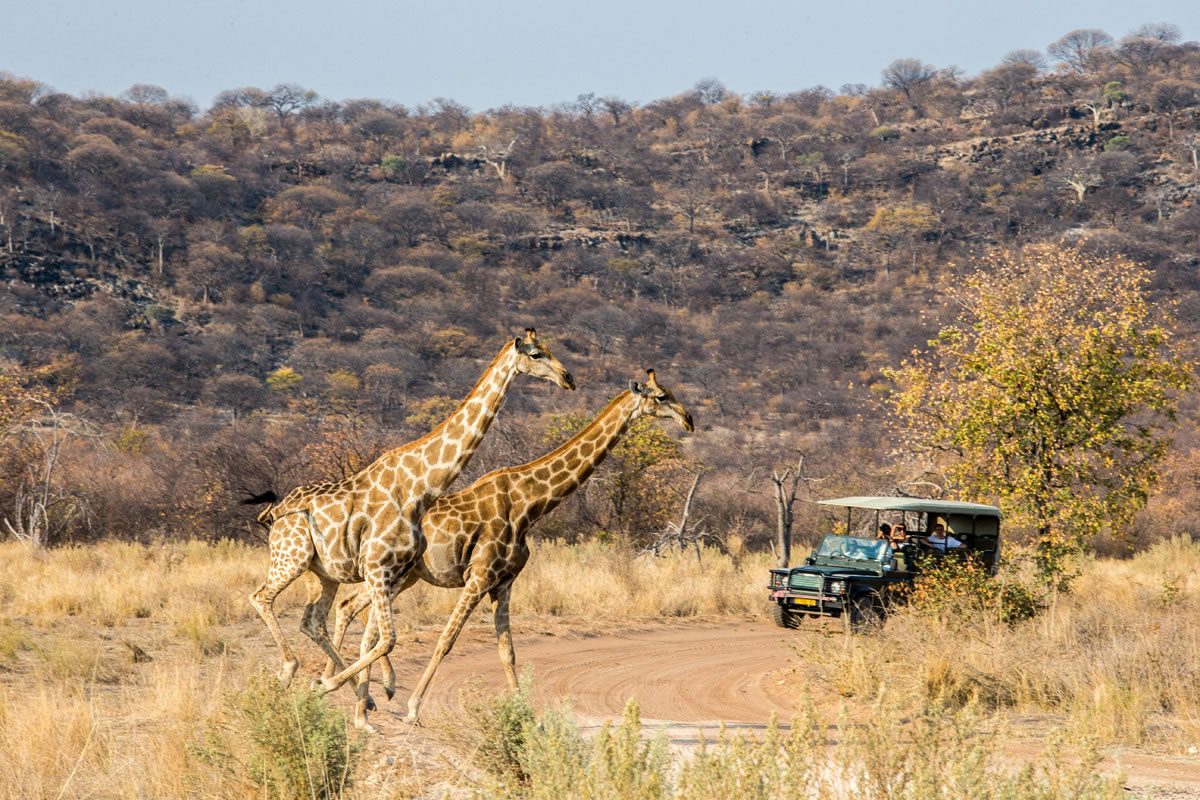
pixel 573 462
pixel 434 461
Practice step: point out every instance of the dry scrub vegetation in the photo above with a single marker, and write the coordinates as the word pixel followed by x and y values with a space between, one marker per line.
pixel 531 755
pixel 1114 661
pixel 119 664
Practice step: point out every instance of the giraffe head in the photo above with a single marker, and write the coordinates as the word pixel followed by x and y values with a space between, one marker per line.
pixel 657 401
pixel 535 359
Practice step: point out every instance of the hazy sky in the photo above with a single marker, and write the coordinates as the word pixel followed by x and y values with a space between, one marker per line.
pixel 528 52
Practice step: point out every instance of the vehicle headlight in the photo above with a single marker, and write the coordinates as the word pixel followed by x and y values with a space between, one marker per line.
pixel 837 587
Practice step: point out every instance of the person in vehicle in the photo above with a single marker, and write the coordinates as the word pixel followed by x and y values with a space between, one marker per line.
pixel 899 535
pixel 941 541
pixel 885 532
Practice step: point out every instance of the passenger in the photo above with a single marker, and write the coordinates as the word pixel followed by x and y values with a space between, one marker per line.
pixel 941 541
pixel 899 535
pixel 885 532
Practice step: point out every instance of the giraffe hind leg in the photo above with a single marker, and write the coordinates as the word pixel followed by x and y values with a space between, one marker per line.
pixel 285 567
pixel 322 592
pixel 508 656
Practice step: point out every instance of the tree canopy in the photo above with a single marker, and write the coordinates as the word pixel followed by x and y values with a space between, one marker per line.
pixel 1052 392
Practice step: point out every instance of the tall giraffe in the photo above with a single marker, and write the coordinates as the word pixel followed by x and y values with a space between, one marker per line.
pixel 477 536
pixel 367 528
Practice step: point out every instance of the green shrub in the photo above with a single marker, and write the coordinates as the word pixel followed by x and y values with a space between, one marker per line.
pixel 287 744
pixel 885 133
pixel 938 752
pixel 962 588
pixel 1117 143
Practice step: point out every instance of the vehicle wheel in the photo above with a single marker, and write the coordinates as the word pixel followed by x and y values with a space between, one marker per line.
pixel 865 613
pixel 782 617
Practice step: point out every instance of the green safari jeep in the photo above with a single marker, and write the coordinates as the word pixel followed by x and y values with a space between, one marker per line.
pixel 856 578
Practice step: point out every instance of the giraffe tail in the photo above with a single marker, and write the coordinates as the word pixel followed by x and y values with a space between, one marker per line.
pixel 266 497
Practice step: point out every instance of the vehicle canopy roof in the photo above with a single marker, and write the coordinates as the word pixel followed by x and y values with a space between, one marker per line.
pixel 914 504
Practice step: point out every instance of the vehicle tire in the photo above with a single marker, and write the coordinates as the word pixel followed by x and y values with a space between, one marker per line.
pixel 782 617
pixel 864 613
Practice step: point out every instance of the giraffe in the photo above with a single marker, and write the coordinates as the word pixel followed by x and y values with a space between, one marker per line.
pixel 476 537
pixel 367 528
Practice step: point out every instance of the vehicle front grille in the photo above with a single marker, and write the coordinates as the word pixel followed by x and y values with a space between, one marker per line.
pixel 806 581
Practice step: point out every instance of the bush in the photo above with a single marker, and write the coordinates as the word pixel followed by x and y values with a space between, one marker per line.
pixel 889 755
pixel 287 744
pixel 954 588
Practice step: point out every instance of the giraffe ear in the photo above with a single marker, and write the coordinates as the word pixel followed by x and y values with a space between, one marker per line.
pixel 636 387
pixel 517 344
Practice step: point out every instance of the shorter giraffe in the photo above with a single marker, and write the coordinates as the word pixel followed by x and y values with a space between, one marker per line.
pixel 476 537
pixel 367 528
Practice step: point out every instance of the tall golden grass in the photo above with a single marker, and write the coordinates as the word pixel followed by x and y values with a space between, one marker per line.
pixel 1117 660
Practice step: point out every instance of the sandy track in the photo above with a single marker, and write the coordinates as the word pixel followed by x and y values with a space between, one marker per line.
pixel 688 677
pixel 697 673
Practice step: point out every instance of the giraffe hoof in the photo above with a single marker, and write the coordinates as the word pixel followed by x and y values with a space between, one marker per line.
pixel 370 703
pixel 414 721
pixel 367 728
pixel 390 691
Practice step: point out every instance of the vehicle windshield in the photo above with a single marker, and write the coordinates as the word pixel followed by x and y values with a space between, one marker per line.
pixel 854 548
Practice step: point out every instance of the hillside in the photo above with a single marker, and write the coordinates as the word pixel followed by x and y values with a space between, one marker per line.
pixel 274 288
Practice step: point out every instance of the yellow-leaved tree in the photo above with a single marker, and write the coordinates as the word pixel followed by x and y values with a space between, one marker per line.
pixel 1052 393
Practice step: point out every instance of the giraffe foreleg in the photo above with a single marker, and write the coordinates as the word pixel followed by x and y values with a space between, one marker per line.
pixel 470 597
pixel 508 656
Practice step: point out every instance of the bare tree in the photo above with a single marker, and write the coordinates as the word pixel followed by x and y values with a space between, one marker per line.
pixel 1027 56
pixel 288 98
pixel 786 484
pixel 616 108
pixel 1078 49
pixel 908 75
pixel 1193 146
pixel 1080 177
pixel 496 156
pixel 41 508
pixel 685 533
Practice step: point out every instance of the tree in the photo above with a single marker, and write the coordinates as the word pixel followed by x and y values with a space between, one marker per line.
pixel 1027 57
pixel 786 486
pixel 1051 392
pixel 908 75
pixel 1077 50
pixel 899 224
pixel 1171 97
pixel 288 98
pixel 1080 175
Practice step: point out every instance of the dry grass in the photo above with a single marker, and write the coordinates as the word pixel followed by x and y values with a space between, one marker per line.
pixel 79 717
pixel 1118 660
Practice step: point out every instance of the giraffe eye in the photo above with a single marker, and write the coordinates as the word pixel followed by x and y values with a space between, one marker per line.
pixel 536 355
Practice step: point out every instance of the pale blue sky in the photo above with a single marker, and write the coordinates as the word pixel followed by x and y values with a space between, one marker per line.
pixel 528 52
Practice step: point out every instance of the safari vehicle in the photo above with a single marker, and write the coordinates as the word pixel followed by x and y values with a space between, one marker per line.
pixel 856 578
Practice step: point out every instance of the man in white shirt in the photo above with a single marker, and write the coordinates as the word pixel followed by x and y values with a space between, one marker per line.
pixel 941 541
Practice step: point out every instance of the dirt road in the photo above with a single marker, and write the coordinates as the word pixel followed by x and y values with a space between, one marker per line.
pixel 688 677
pixel 685 673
